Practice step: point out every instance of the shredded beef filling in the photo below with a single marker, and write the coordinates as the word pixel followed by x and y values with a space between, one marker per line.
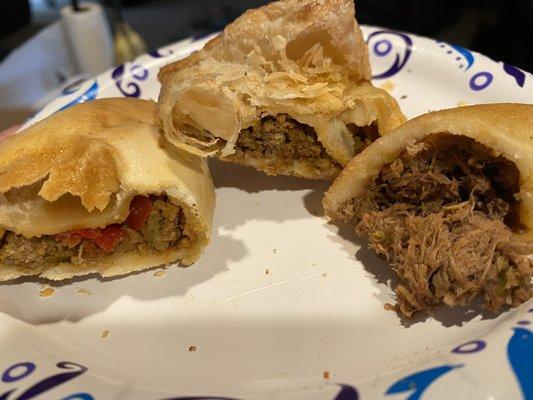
pixel 161 229
pixel 282 140
pixel 442 214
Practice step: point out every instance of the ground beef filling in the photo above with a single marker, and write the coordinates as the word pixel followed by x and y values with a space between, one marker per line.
pixel 282 140
pixel 153 224
pixel 442 215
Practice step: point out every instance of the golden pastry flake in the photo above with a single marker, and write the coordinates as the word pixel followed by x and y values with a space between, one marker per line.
pixel 46 292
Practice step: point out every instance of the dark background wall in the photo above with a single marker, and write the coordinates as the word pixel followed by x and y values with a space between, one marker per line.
pixel 500 29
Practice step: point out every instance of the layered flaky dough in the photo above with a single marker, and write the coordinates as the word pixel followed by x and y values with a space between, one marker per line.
pixel 305 59
pixel 81 167
pixel 506 129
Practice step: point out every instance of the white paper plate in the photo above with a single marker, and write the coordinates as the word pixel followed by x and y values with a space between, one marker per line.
pixel 283 305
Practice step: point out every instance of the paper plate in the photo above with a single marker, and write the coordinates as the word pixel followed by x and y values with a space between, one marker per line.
pixel 283 305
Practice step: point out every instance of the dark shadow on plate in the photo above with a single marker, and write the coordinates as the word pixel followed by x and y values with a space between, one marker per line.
pixel 227 174
pixel 313 200
pixel 33 309
pixel 386 280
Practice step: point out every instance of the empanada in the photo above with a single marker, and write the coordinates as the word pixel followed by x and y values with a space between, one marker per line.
pixel 447 199
pixel 283 89
pixel 98 189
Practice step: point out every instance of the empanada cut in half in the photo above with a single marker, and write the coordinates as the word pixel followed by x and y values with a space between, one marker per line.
pixel 98 189
pixel 285 89
pixel 447 200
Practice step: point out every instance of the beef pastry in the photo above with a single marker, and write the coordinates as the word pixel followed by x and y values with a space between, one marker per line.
pixel 447 200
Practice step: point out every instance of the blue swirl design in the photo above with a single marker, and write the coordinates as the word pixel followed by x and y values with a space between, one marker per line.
pixel 79 396
pixel 473 346
pixel 89 94
pixel 384 46
pixel 467 54
pixel 483 79
pixel 161 53
pixel 73 87
pixel 520 354
pixel 135 72
pixel 518 75
pixel 418 382
pixel 480 80
pixel 347 392
pixel 19 371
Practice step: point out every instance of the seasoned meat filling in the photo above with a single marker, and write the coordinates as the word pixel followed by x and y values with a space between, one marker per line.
pixel 282 140
pixel 154 223
pixel 442 214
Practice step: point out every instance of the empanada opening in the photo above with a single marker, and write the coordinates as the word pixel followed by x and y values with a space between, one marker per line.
pixel 444 214
pixel 281 145
pixel 363 136
pixel 278 144
pixel 154 224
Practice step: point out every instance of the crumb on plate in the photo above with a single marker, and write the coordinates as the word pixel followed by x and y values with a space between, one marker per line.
pixel 159 273
pixel 46 292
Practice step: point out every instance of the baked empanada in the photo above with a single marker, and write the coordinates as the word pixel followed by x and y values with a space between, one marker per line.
pixel 98 189
pixel 447 199
pixel 284 89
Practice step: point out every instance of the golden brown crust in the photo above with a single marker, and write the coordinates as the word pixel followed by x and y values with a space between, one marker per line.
pixel 303 58
pixel 80 168
pixel 507 129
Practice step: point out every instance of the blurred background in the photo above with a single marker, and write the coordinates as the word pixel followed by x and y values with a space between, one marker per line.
pixel 29 28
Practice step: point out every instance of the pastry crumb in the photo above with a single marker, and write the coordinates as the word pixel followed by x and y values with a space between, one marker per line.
pixel 159 273
pixel 275 251
pixel 105 333
pixel 267 271
pixel 192 349
pixel 403 97
pixel 84 291
pixel 388 86
pixel 46 292
pixel 314 264
pixel 325 374
pixel 324 275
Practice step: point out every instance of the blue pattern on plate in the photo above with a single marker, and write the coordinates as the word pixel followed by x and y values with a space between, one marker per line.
pixel 9 376
pixel 125 76
pixel 518 75
pixel 520 354
pixel 89 94
pixel 418 382
pixel 467 54
pixel 79 396
pixel 383 47
pixel 347 392
pixel 161 53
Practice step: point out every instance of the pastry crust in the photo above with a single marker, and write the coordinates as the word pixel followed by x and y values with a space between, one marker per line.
pixel 303 58
pixel 507 129
pixel 81 168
